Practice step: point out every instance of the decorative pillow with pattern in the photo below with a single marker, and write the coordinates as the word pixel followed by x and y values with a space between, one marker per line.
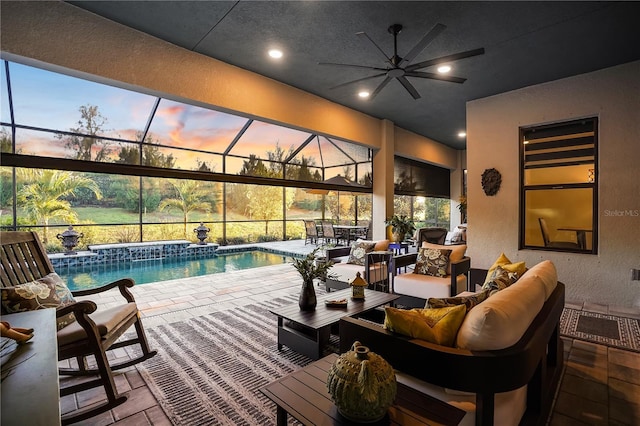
pixel 29 297
pixel 438 326
pixel 47 292
pixel 359 250
pixel 499 279
pixel 503 261
pixel 65 295
pixel 468 301
pixel 432 262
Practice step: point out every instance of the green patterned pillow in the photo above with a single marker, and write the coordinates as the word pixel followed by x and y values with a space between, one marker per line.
pixel 438 326
pixel 499 279
pixel 431 261
pixel 468 301
pixel 359 250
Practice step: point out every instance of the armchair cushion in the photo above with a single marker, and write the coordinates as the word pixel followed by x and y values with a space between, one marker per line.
pixel 438 326
pixel 359 250
pixel 433 261
pixel 106 321
pixel 47 292
pixel 457 252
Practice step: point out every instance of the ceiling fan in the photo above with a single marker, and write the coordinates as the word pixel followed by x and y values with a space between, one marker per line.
pixel 401 68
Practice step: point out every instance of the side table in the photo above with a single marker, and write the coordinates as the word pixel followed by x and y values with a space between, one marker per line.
pixel 303 394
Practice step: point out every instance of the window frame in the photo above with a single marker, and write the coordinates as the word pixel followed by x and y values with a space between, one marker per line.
pixel 525 188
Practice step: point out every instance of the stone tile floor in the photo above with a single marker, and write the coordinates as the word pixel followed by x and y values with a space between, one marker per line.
pixel 601 385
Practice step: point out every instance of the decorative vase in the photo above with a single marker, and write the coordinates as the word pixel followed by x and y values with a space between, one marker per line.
pixel 307 300
pixel 362 385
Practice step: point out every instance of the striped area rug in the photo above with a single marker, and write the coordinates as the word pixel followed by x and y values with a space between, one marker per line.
pixel 604 329
pixel 208 369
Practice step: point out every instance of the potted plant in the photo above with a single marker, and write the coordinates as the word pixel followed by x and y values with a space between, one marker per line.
pixel 309 269
pixel 400 227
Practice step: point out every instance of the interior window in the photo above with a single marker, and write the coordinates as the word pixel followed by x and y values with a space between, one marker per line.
pixel 559 169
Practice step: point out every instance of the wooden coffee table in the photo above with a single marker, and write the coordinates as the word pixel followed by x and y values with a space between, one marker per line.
pixel 308 332
pixel 304 395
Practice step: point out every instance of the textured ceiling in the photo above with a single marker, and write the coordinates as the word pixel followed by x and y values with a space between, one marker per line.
pixel 526 43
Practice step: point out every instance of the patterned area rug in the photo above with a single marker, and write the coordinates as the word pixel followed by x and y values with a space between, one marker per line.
pixel 609 330
pixel 209 369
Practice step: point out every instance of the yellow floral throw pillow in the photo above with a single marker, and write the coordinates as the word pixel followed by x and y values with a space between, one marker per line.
pixel 503 261
pixel 438 325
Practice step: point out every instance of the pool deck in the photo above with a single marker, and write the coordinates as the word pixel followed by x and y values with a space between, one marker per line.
pixel 176 300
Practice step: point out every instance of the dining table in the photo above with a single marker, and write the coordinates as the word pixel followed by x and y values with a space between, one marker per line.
pixel 581 234
pixel 351 232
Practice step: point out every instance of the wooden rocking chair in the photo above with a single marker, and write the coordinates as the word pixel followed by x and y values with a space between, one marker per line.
pixel 23 259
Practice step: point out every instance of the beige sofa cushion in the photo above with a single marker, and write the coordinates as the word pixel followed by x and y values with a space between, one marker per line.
pixel 501 320
pixel 548 274
pixel 457 252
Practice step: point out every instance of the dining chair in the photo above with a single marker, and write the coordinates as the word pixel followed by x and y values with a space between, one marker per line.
pixel 544 229
pixel 311 231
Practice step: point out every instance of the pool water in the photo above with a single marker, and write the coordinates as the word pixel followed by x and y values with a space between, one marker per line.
pixel 87 277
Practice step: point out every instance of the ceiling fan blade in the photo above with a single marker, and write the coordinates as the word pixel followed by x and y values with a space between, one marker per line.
pixel 357 81
pixel 362 34
pixel 353 66
pixel 426 40
pixel 447 58
pixel 379 88
pixel 435 76
pixel 407 85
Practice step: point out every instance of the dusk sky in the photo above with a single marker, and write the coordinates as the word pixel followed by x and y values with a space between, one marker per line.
pixel 49 100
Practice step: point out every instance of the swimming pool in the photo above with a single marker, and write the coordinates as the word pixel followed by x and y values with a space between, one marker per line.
pixel 87 277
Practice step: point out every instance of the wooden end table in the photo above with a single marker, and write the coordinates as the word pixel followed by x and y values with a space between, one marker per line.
pixel 308 332
pixel 304 395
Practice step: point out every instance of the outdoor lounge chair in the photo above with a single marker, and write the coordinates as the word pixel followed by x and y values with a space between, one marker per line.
pixel 22 260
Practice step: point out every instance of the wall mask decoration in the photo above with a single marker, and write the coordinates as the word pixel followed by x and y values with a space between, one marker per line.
pixel 491 180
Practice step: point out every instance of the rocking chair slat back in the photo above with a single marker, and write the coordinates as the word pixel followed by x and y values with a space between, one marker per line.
pixel 22 258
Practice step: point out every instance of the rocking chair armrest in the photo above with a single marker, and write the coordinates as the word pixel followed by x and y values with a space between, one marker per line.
pixel 122 285
pixel 78 308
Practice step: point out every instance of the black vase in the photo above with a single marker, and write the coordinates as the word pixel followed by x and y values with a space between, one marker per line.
pixel 307 300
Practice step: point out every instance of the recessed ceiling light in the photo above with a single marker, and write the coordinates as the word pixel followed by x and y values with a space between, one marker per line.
pixel 275 53
pixel 462 134
pixel 364 94
pixel 443 69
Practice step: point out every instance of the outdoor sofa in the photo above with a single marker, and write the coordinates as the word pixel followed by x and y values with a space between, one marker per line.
pixel 506 362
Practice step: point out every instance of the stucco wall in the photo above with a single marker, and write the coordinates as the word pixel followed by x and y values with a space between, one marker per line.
pixel 613 95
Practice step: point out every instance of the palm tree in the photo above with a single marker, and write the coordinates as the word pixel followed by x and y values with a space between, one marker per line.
pixel 44 192
pixel 190 198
